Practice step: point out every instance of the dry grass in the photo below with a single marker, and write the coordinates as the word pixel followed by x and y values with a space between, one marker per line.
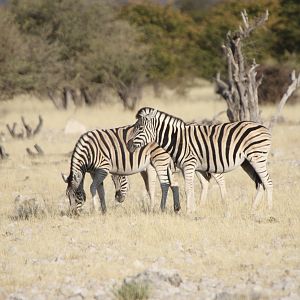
pixel 51 247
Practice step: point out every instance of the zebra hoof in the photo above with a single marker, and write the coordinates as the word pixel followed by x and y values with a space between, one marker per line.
pixel 177 209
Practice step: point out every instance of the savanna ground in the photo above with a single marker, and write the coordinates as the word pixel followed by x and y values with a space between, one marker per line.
pixel 44 252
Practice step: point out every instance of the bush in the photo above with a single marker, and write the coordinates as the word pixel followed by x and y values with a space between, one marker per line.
pixel 276 80
pixel 132 291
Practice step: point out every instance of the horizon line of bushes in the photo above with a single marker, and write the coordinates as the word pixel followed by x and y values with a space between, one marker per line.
pixel 74 49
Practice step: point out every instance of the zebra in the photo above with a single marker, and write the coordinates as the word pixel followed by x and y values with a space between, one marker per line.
pixel 210 148
pixel 100 152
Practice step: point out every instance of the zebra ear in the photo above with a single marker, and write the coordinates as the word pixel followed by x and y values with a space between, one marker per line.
pixel 64 177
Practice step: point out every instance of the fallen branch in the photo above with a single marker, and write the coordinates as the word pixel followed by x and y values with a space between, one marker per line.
pixel 28 133
pixel 13 133
pixel 38 152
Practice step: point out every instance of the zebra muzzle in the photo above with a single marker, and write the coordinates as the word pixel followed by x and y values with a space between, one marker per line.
pixel 119 197
pixel 131 146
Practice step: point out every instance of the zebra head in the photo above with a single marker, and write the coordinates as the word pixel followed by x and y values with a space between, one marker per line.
pixel 122 186
pixel 144 130
pixel 75 191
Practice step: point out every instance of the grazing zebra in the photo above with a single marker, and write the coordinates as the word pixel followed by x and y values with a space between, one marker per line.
pixel 100 152
pixel 213 149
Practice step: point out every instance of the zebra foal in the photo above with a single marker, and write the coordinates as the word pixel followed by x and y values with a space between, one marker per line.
pixel 100 152
pixel 212 149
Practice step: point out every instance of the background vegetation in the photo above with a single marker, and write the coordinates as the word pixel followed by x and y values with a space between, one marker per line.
pixel 75 49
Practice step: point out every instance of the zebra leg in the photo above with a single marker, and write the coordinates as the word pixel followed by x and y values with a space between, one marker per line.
pixel 175 189
pixel 260 167
pixel 97 185
pixel 249 169
pixel 204 180
pixel 221 183
pixel 176 201
pixel 258 196
pixel 164 194
pixel 163 177
pixel 149 177
pixel 188 173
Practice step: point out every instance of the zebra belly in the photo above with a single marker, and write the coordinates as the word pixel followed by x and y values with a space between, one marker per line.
pixel 219 167
pixel 128 170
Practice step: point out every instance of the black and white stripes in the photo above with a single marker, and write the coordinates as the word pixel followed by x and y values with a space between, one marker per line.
pixel 212 149
pixel 100 152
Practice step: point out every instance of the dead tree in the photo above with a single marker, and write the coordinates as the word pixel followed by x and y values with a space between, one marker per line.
pixel 38 151
pixel 27 131
pixel 240 89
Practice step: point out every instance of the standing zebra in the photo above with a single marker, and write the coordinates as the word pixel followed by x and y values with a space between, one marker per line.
pixel 100 152
pixel 213 149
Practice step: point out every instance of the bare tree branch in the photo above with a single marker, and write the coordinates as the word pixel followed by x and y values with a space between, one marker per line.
pixel 29 132
pixel 290 90
pixel 27 127
pixel 39 126
pixel 13 133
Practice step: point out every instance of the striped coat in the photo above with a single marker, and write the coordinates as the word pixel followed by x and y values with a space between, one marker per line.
pixel 100 152
pixel 212 149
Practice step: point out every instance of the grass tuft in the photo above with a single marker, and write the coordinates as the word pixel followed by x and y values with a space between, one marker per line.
pixel 132 291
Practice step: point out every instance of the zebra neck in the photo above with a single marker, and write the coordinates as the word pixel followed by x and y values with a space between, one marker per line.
pixel 78 166
pixel 169 136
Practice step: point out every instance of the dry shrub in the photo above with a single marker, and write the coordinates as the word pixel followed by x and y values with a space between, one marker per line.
pixel 132 291
pixel 26 207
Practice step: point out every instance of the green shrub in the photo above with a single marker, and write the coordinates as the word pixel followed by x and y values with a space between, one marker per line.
pixel 132 291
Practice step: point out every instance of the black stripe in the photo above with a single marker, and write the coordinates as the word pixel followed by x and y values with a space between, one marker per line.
pixel 198 143
pixel 114 146
pixel 196 149
pixel 256 152
pixel 179 148
pixel 255 143
pixel 220 137
pixel 140 156
pixel 104 142
pixel 161 129
pixel 125 133
pixel 121 144
pixel 172 145
pixel 244 135
pixel 205 144
pixel 228 141
pixel 94 138
pixel 213 129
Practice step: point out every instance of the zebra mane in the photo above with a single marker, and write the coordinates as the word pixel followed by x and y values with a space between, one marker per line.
pixel 145 111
